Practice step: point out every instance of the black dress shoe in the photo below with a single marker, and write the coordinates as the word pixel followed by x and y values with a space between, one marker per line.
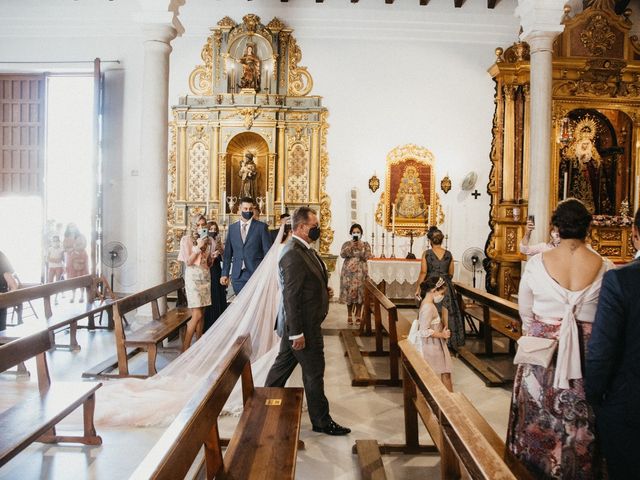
pixel 332 428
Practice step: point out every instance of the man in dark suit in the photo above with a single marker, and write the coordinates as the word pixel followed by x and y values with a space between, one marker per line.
pixel 305 297
pixel 612 370
pixel 248 241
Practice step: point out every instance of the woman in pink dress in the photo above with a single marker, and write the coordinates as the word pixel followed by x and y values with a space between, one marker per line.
pixel 551 426
pixel 434 331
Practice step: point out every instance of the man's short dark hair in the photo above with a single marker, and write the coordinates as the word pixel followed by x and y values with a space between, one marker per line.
pixel 247 200
pixel 301 216
pixel 636 220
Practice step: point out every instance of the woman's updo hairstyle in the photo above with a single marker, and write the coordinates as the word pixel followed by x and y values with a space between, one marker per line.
pixel 429 284
pixel 435 235
pixel 572 219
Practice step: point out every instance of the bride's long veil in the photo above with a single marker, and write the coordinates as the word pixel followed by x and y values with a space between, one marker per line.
pixel 158 399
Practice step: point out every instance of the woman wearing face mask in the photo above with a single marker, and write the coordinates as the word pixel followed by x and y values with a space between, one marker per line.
pixel 355 252
pixel 218 292
pixel 195 252
pixel 437 262
pixel 433 331
pixel 532 250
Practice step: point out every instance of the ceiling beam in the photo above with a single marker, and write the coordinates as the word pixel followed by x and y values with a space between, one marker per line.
pixel 458 3
pixel 491 3
pixel 424 2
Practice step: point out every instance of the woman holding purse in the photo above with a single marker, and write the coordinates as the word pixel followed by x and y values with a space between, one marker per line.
pixel 551 426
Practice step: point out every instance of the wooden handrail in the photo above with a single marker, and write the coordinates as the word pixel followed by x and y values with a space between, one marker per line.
pixel 472 448
pixel 17 297
pixel 381 297
pixel 136 300
pixel 494 302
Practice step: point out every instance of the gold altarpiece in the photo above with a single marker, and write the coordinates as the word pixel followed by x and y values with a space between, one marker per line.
pixel 249 96
pixel 595 138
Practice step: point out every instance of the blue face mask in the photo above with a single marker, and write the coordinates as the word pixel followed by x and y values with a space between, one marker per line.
pixel 247 215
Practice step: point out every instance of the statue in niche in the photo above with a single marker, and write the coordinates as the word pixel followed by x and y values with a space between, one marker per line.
pixel 410 201
pixel 250 68
pixel 588 176
pixel 249 175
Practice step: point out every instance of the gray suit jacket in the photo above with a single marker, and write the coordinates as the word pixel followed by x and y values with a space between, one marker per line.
pixel 305 300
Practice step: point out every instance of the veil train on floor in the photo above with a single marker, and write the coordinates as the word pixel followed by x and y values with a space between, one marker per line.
pixel 155 401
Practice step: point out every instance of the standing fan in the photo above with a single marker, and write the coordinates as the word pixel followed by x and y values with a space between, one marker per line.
pixel 114 254
pixel 472 260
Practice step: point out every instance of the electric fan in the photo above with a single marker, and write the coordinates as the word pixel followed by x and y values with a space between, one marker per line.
pixel 472 260
pixel 114 254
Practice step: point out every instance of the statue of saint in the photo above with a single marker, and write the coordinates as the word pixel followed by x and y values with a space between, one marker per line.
pixel 410 201
pixel 250 68
pixel 249 175
pixel 587 176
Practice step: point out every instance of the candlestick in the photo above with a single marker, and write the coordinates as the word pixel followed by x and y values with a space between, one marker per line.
pixel 637 195
pixel 282 196
pixel 429 216
pixel 393 245
pixel 382 255
pixel 565 188
pixel 223 205
pixel 373 244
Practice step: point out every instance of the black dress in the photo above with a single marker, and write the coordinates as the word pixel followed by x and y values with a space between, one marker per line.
pixel 439 267
pixel 218 295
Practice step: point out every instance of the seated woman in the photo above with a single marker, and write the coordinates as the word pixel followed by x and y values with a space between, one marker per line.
pixel 437 262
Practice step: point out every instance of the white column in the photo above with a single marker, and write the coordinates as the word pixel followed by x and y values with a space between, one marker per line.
pixel 152 182
pixel 540 21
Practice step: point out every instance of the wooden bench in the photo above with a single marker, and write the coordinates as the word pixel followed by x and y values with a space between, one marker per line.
pixel 265 441
pixel 63 316
pixel 467 445
pixel 387 323
pixel 35 418
pixel 149 336
pixel 493 314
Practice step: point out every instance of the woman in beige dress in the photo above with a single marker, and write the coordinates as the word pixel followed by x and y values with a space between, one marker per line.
pixel 195 252
pixel 433 331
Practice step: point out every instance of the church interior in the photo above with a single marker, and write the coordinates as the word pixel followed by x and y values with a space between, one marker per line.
pixel 126 120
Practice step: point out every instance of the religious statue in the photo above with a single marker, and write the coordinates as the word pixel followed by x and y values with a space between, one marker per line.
pixel 410 199
pixel 249 175
pixel 588 176
pixel 250 68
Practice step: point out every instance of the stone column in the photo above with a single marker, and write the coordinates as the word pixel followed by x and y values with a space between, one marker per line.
pixel 152 184
pixel 540 20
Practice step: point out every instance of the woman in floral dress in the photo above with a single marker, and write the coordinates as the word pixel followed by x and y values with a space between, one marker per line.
pixel 354 272
pixel 551 425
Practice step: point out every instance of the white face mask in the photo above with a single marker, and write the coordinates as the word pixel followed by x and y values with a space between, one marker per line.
pixel 438 298
pixel 555 237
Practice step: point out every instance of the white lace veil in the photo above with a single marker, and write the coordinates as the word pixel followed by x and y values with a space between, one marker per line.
pixel 158 399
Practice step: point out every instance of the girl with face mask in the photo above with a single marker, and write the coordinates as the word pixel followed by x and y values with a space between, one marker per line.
pixel 355 252
pixel 433 331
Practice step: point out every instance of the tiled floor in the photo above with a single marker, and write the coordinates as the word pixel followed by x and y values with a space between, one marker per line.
pixel 371 412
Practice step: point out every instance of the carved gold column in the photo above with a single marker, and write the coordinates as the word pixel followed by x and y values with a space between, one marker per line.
pixel 508 169
pixel 181 187
pixel 214 185
pixel 281 164
pixel 314 172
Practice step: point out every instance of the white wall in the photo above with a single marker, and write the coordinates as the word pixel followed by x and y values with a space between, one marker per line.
pixel 389 75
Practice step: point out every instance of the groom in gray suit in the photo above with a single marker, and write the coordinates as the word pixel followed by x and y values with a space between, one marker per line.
pixel 305 298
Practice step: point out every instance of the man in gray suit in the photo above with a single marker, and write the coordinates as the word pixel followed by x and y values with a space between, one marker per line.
pixel 305 298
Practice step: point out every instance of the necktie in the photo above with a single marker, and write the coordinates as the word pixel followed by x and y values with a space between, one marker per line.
pixel 243 232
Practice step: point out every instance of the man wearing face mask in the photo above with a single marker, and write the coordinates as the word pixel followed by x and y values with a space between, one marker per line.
pixel 305 298
pixel 247 243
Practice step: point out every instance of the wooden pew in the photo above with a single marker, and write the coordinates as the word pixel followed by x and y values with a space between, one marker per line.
pixel 148 337
pixel 468 446
pixel 386 320
pixel 35 419
pixel 265 441
pixel 494 314
pixel 58 317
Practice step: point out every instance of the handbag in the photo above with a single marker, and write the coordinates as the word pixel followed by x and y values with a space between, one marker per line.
pixel 535 351
pixel 414 336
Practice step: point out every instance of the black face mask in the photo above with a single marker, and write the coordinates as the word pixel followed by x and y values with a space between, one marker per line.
pixel 314 233
pixel 247 215
pixel 213 234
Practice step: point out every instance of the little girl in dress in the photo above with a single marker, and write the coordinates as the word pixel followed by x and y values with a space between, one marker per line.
pixel 433 333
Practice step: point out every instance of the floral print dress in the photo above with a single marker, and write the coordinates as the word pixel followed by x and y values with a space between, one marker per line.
pixel 354 271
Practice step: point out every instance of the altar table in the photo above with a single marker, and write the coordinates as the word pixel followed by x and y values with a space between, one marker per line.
pixel 399 276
